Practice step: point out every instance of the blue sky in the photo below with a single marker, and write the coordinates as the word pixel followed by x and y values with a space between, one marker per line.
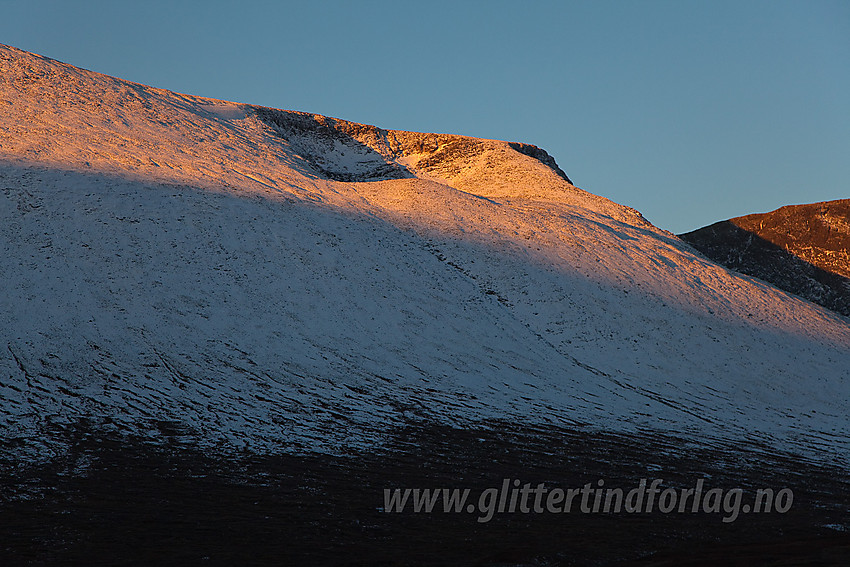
pixel 691 112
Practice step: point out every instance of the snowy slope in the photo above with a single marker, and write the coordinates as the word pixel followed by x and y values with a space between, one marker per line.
pixel 287 281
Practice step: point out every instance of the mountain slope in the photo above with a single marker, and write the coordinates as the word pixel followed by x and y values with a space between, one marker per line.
pixel 802 249
pixel 271 280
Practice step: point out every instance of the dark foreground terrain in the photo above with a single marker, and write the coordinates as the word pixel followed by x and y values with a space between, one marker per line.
pixel 117 501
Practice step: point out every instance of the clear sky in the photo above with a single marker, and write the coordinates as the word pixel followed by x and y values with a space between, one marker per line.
pixel 691 112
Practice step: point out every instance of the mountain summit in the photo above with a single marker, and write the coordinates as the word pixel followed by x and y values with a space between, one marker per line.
pixel 270 280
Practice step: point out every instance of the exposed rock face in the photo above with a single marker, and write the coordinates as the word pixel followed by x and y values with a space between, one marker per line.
pixel 348 151
pixel 803 249
pixel 541 155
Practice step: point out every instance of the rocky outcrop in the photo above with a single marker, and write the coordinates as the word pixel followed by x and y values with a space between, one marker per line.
pixel 348 151
pixel 541 155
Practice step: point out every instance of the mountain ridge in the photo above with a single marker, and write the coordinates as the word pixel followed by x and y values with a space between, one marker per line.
pixel 212 126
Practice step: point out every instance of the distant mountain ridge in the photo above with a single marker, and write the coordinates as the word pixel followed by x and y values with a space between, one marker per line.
pixel 803 249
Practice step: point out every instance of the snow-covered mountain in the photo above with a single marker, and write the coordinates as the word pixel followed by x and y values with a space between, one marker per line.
pixel 282 281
